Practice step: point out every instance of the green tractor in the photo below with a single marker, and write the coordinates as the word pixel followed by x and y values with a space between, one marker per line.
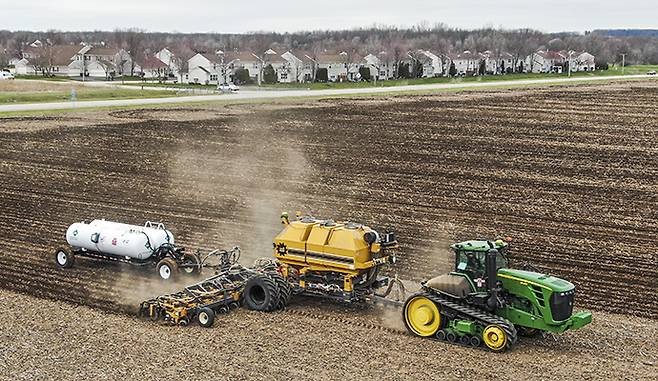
pixel 485 302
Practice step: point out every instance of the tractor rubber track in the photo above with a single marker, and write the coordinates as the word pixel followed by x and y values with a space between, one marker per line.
pixel 465 311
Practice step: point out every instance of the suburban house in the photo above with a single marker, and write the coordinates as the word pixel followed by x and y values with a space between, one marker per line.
pixel 302 66
pixel 382 65
pixel 545 62
pixel 335 64
pixel 48 59
pixel 101 62
pixel 498 63
pixel 207 69
pixel 431 63
pixel 152 67
pixel 169 58
pixel 245 60
pixel 581 61
pixel 282 67
pixel 466 63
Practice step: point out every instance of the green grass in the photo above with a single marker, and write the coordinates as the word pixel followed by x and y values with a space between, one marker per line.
pixel 42 77
pixel 82 95
pixel 638 69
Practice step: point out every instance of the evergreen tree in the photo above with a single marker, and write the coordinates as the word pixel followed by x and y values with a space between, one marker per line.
pixel 269 75
pixel 453 70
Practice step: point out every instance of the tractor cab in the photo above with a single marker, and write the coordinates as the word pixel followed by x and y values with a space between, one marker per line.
pixel 471 258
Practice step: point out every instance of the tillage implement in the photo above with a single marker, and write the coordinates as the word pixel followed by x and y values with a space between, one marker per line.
pixel 260 288
pixel 483 301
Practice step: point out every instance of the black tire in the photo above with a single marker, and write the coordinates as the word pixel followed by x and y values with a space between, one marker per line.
pixel 475 341
pixel 63 258
pixel 167 269
pixel 451 337
pixel 205 317
pixel 193 260
pixel 285 291
pixel 261 293
pixel 440 334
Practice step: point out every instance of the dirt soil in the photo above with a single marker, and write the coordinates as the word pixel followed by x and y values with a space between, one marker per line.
pixel 568 172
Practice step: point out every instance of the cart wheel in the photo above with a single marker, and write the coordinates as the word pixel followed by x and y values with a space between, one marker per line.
pixel 205 317
pixel 167 269
pixel 191 264
pixel 63 258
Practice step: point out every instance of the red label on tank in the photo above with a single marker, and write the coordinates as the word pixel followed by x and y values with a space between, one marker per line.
pixel 114 241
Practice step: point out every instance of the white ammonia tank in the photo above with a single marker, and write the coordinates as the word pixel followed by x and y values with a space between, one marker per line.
pixel 119 239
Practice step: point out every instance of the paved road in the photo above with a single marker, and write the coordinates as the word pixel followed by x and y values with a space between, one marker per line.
pixel 271 94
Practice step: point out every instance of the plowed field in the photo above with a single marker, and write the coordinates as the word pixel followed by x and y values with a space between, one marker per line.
pixel 569 173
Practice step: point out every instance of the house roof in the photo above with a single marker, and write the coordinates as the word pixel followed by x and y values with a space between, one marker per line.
pixel 273 58
pixel 328 58
pixel 243 56
pixel 151 62
pixel 550 54
pixel 210 57
pixel 96 51
pixel 61 55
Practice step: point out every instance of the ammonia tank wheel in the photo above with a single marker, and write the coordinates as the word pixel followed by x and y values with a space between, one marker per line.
pixel 495 338
pixel 63 258
pixel 261 293
pixel 167 269
pixel 205 317
pixel 191 264
pixel 421 316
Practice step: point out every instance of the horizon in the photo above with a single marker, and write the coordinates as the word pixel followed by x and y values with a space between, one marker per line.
pixel 561 16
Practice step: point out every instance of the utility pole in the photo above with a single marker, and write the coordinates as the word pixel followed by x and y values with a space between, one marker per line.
pixel 623 62
pixel 569 63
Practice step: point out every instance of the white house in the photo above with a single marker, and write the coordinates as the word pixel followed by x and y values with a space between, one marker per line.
pixel 381 65
pixel 336 66
pixel 282 67
pixel 169 58
pixel 432 65
pixel 466 63
pixel 207 69
pixel 499 63
pixel 545 62
pixel 580 61
pixel 302 66
pixel 101 62
pixel 245 60
pixel 153 67
pixel 48 59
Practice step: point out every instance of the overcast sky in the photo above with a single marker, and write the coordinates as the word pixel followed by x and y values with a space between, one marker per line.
pixel 294 15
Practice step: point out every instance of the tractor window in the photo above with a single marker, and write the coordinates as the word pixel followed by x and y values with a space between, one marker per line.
pixel 501 261
pixel 471 263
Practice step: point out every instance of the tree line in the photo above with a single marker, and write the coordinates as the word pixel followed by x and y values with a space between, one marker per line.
pixel 439 38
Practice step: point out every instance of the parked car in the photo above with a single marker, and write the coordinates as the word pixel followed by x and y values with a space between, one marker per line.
pixel 652 72
pixel 228 88
pixel 5 75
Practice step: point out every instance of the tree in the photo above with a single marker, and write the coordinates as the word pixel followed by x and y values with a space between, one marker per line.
pixel 482 68
pixel 132 40
pixel 321 75
pixel 364 71
pixel 403 70
pixel 453 70
pixel 502 66
pixel 241 76
pixel 269 75
pixel 521 68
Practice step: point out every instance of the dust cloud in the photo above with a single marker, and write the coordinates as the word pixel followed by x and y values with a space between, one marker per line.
pixel 245 177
